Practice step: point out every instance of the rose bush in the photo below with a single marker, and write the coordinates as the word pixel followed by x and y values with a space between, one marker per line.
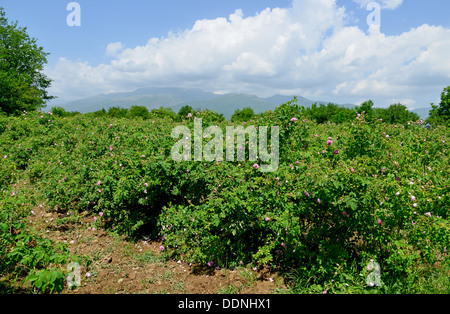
pixel 343 193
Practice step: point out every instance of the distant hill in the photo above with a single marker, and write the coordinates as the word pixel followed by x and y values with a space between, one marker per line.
pixel 423 113
pixel 155 97
pixel 227 104
pixel 175 98
pixel 150 97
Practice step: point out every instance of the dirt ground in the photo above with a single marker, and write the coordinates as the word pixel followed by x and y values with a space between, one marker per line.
pixel 116 266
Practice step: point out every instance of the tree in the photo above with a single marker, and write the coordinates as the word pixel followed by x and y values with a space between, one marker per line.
pixel 163 113
pixel 138 111
pixel 396 113
pixel 22 83
pixel 330 112
pixel 97 114
pixel 243 115
pixel 366 107
pixel 117 112
pixel 184 112
pixel 210 116
pixel 343 114
pixel 441 114
pixel 59 112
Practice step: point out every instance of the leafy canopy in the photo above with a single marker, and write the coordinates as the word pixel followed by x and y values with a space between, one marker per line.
pixel 243 115
pixel 22 83
pixel 396 113
pixel 441 114
pixel 184 112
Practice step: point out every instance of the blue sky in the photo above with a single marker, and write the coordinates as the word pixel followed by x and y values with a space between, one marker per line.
pixel 132 22
pixel 320 49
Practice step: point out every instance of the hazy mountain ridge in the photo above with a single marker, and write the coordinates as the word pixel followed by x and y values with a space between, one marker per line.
pixel 175 98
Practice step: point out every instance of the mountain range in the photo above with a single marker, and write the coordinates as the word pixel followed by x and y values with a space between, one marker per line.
pixel 175 98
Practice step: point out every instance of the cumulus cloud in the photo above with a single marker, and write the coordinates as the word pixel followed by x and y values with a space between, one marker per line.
pixel 113 48
pixel 306 49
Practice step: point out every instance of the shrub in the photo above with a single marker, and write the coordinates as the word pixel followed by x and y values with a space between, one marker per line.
pixel 343 194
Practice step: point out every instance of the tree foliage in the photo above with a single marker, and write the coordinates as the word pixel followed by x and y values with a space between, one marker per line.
pixel 330 112
pixel 184 112
pixel 22 83
pixel 396 113
pixel 138 111
pixel 243 115
pixel 117 112
pixel 367 108
pixel 61 112
pixel 163 113
pixel 441 114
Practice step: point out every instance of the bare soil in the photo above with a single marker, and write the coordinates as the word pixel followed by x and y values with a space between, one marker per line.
pixel 117 266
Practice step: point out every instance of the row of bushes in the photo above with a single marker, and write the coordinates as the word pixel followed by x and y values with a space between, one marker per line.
pixel 343 193
pixel 142 112
pixel 396 113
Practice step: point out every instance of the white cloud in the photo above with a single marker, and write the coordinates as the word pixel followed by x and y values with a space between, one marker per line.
pixel 306 49
pixel 391 4
pixel 113 48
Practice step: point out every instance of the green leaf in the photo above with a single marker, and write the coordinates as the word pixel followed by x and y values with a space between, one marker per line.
pixel 352 203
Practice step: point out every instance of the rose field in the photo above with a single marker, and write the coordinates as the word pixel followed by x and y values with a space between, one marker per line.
pixel 354 207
